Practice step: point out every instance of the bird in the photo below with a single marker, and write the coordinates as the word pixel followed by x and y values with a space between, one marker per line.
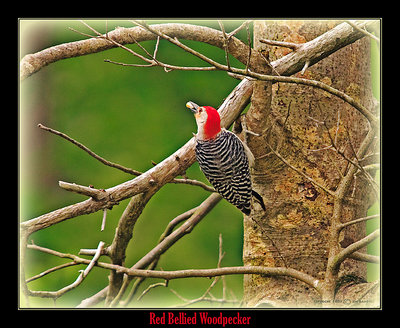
pixel 224 159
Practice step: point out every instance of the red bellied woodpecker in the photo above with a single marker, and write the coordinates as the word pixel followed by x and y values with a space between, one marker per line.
pixel 224 159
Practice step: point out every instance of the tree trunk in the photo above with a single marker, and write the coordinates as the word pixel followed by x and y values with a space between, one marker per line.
pixel 304 125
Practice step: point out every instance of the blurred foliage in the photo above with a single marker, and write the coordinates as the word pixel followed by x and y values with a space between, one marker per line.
pixel 374 247
pixel 130 116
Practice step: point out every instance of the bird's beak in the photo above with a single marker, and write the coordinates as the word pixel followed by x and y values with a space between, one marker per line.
pixel 192 106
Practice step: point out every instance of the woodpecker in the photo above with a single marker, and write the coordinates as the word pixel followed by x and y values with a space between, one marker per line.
pixel 224 159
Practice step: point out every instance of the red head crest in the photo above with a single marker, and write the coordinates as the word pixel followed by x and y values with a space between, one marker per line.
pixel 213 124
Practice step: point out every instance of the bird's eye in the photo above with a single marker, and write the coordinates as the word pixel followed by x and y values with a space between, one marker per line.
pixel 200 110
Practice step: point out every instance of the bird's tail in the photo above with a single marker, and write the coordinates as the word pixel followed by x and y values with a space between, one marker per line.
pixel 259 199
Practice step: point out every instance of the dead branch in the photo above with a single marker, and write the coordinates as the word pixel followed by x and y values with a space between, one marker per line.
pixel 96 194
pixel 320 47
pixel 179 274
pixel 362 30
pixel 91 263
pixel 290 45
pixel 171 239
pixel 90 152
pixel 345 253
pixel 123 235
pixel 58 267
pixel 32 63
pixel 168 230
pixel 364 257
pixel 311 52
pixel 334 259
pixel 343 225
pixel 270 78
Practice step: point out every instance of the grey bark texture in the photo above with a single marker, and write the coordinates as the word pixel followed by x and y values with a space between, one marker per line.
pixel 298 122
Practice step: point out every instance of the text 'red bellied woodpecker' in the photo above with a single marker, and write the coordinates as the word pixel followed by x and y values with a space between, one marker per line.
pixel 224 159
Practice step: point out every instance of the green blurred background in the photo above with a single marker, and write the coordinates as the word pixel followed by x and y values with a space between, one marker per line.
pixel 130 116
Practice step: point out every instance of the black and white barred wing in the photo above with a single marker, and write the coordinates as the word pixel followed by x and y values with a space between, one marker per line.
pixel 224 162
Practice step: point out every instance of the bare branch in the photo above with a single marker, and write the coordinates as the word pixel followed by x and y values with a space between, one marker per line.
pixel 290 45
pixel 312 51
pixel 194 183
pixel 46 272
pixel 32 63
pixel 346 224
pixel 159 284
pixel 171 239
pixel 77 282
pixel 335 256
pixel 103 221
pixel 345 253
pixel 90 152
pixel 99 194
pixel 168 230
pixel 226 40
pixel 305 67
pixel 96 194
pixel 271 78
pixel 319 48
pixel 122 237
pixel 362 30
pixel 179 274
pixel 365 257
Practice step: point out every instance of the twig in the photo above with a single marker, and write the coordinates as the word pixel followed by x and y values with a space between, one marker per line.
pixel 194 183
pixel 77 282
pixel 207 273
pixel 345 253
pixel 91 153
pixel 249 45
pixel 171 239
pixel 168 230
pixel 290 45
pixel 96 194
pixel 305 67
pixel 226 40
pixel 238 28
pixel 346 224
pixel 99 194
pixel 271 78
pixel 363 31
pixel 159 284
pixel 301 173
pixel 103 221
pixel 166 67
pixel 46 272
pixel 365 257
pixel 94 259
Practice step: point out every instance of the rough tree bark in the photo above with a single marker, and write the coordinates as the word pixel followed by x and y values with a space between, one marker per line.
pixel 298 122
